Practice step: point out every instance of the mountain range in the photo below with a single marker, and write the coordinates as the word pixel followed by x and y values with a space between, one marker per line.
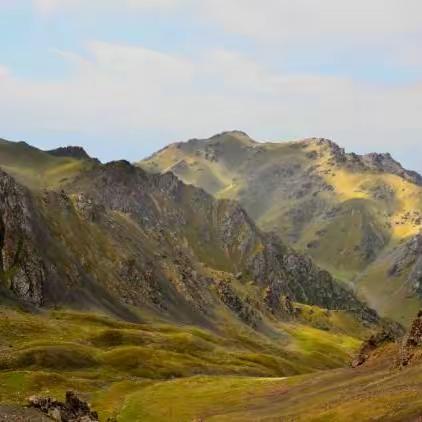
pixel 357 216
pixel 213 266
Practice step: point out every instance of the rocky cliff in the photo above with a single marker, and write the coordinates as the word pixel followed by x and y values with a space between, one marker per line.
pixel 22 269
pixel 217 234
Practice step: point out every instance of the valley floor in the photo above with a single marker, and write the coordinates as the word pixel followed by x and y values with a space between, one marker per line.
pixel 159 372
pixel 334 395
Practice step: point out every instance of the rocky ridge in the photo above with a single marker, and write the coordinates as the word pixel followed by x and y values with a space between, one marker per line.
pixel 259 256
pixel 95 242
pixel 407 259
pixel 310 193
pixel 381 162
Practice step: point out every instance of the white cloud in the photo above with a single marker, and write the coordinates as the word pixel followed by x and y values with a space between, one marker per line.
pixel 359 28
pixel 306 19
pixel 281 21
pixel 138 61
pixel 360 31
pixel 49 7
pixel 118 90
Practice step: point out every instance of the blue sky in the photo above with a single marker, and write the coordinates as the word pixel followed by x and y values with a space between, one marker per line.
pixel 125 77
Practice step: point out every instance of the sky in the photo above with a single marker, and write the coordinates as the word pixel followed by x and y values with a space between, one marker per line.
pixel 124 78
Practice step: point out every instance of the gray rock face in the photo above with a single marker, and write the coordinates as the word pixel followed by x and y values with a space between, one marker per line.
pixel 411 342
pixel 372 161
pixel 277 303
pixel 229 297
pixel 87 208
pixel 386 163
pixel 370 345
pixel 407 259
pixel 21 266
pixel 184 212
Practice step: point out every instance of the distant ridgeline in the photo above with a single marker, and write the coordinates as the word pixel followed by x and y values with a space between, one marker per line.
pixel 358 216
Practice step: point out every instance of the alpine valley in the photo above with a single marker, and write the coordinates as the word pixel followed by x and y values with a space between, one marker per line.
pixel 217 280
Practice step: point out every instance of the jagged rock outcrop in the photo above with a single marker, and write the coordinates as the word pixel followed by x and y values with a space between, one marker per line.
pixel 72 410
pixel 277 303
pixel 230 298
pixel 21 267
pixel 70 151
pixel 370 345
pixel 287 306
pixel 407 260
pixel 165 203
pixel 406 346
pixel 272 298
pixel 145 282
pixel 411 342
pixel 380 162
pixel 87 208
pixel 386 163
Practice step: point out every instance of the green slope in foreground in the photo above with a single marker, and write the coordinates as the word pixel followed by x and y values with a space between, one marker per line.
pixel 155 371
pixel 339 395
pixel 159 372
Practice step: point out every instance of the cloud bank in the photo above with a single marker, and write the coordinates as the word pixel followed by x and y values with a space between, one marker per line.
pixel 150 96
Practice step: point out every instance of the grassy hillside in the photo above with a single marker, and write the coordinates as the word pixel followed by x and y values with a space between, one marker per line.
pixel 346 395
pixel 344 210
pixel 157 370
pixel 38 169
pixel 400 269
pixel 114 363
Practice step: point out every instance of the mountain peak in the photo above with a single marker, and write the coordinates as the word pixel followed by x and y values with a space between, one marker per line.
pixel 325 143
pixel 222 137
pixel 71 152
pixel 383 162
pixel 235 133
pixel 321 142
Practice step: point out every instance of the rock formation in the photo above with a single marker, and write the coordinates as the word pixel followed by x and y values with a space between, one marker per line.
pixel 411 342
pixel 21 267
pixel 72 410
pixel 370 345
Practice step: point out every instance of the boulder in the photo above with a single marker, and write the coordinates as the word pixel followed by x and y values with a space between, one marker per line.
pixel 72 410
